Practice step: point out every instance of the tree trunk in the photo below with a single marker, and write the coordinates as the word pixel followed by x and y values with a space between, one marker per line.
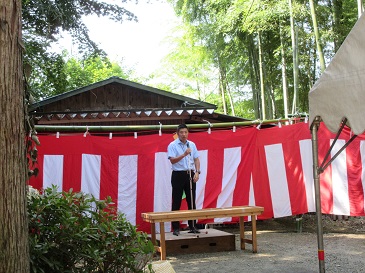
pixel 283 74
pixel 339 36
pixel 253 72
pixel 271 106
pixel 295 58
pixel 14 250
pixel 226 89
pixel 229 94
pixel 222 90
pixel 316 34
pixel 262 88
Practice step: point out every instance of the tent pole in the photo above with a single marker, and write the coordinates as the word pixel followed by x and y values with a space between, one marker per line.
pixel 316 177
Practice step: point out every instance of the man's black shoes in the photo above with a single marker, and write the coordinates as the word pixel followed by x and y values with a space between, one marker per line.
pixel 193 230
pixel 176 232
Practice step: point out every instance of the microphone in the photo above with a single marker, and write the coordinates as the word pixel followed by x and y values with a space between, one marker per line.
pixel 188 146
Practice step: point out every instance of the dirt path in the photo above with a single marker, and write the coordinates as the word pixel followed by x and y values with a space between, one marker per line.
pixel 282 249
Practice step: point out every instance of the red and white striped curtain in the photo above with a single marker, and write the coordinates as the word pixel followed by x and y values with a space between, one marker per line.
pixel 272 168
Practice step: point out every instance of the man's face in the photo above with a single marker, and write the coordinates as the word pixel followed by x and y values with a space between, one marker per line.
pixel 183 134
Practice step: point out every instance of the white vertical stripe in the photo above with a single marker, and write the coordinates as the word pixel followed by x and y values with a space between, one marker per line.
pixel 251 198
pixel 307 167
pixel 127 186
pixel 200 185
pixel 277 180
pixel 53 171
pixel 90 174
pixel 341 202
pixel 362 154
pixel 162 187
pixel 232 158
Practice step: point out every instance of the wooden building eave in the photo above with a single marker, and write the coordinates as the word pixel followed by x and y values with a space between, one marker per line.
pixel 120 116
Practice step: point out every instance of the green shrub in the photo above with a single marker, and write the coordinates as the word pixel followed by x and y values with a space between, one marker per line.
pixel 74 232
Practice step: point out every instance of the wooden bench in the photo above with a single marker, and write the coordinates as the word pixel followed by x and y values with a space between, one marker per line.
pixel 182 215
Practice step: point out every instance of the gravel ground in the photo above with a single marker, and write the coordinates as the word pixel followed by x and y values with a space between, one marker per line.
pixel 282 249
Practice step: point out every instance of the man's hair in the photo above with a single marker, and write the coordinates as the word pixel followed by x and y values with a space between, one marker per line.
pixel 181 126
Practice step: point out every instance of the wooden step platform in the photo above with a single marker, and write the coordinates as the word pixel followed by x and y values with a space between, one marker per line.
pixel 200 244
pixel 208 240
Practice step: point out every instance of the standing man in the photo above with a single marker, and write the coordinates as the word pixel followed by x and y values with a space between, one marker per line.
pixel 184 158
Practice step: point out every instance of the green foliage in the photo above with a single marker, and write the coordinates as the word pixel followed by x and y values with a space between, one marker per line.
pixel 217 50
pixel 43 23
pixel 228 32
pixel 93 69
pixel 48 76
pixel 190 63
pixel 74 232
pixel 66 74
pixel 46 19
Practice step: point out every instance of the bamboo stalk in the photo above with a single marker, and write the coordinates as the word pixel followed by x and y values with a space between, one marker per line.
pixel 134 128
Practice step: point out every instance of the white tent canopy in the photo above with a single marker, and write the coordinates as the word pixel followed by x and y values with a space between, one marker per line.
pixel 338 97
pixel 340 91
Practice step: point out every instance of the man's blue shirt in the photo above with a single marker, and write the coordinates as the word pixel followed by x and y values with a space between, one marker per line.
pixel 177 148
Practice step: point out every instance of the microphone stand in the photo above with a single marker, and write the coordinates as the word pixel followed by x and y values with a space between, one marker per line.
pixel 191 188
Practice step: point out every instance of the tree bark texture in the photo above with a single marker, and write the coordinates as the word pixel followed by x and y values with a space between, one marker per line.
pixel 14 250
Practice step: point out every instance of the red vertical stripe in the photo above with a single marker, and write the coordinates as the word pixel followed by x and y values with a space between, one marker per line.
pixel 261 183
pixel 294 175
pixel 145 188
pixel 354 177
pixel 109 178
pixel 213 185
pixel 242 189
pixel 241 193
pixel 324 137
pixel 72 172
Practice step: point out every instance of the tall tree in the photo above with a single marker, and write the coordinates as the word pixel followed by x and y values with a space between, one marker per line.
pixel 204 17
pixel 188 69
pixel 43 24
pixel 295 57
pixel 283 76
pixel 317 36
pixel 262 84
pixel 337 18
pixel 77 73
pixel 14 253
pixel 239 23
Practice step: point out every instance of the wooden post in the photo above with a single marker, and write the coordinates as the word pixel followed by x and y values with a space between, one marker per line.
pixel 162 241
pixel 153 233
pixel 254 238
pixel 242 233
